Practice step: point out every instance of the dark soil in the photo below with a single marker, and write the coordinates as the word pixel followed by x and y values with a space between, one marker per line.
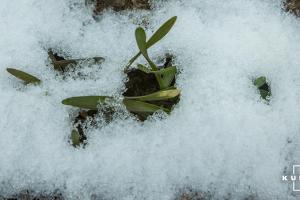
pixel 29 195
pixel 118 5
pixel 292 6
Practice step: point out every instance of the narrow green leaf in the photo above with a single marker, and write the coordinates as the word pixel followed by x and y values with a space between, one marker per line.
pixel 157 96
pixel 140 37
pixel 260 81
pixel 86 102
pixel 27 78
pixel 157 36
pixel 132 60
pixel 162 71
pixel 139 106
pixel 161 32
pixel 143 68
pixel 75 138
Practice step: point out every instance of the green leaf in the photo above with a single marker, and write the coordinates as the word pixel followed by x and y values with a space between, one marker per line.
pixel 75 138
pixel 164 76
pixel 161 32
pixel 27 78
pixel 157 96
pixel 157 36
pixel 167 70
pixel 139 106
pixel 140 37
pixel 86 102
pixel 143 68
pixel 167 76
pixel 260 81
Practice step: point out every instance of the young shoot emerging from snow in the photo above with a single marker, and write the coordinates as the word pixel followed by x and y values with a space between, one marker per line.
pixel 164 76
pixel 263 87
pixel 142 105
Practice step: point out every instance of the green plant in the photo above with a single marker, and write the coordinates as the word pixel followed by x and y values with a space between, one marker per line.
pixel 263 87
pixel 27 78
pixel 156 98
pixel 142 105
pixel 157 36
pixel 164 76
pixel 133 104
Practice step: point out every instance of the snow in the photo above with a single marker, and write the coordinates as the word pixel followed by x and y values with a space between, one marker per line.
pixel 221 138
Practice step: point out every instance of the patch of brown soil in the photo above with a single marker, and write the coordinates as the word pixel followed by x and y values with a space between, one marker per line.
pixel 292 6
pixel 118 5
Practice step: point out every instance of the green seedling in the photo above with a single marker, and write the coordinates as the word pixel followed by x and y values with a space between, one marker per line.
pixel 61 63
pixel 164 77
pixel 263 87
pixel 157 36
pixel 27 78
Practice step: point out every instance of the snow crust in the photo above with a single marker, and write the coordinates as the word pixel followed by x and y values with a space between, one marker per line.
pixel 221 138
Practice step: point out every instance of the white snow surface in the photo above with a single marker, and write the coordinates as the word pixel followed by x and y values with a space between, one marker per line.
pixel 220 139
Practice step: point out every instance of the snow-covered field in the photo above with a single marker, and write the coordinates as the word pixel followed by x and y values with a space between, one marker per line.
pixel 220 138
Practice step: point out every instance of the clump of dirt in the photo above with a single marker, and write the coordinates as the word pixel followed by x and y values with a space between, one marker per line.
pixel 118 5
pixel 292 6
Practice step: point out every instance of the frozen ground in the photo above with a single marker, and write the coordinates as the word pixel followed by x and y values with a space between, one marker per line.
pixel 220 138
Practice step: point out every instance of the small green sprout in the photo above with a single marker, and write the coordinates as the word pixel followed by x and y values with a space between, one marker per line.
pixel 27 78
pixel 263 87
pixel 157 36
pixel 164 77
pixel 61 63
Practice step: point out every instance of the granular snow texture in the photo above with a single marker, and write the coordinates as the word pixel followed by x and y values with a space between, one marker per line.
pixel 221 139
